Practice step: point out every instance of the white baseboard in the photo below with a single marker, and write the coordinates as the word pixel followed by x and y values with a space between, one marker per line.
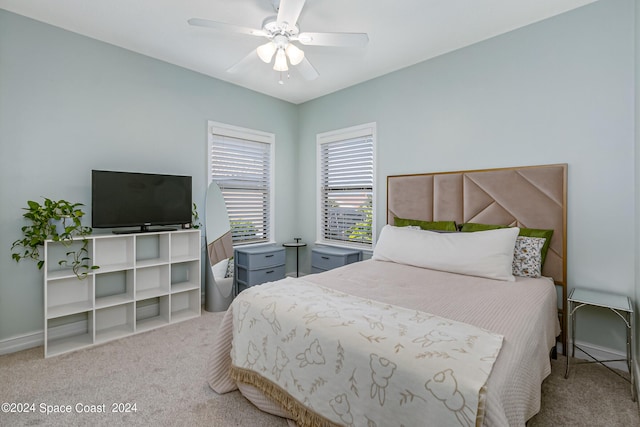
pixel 36 339
pixel 601 353
pixel 22 342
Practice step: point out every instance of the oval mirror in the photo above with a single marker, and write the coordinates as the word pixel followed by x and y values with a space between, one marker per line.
pixel 219 274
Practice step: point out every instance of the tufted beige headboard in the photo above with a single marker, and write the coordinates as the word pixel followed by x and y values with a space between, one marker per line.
pixel 529 196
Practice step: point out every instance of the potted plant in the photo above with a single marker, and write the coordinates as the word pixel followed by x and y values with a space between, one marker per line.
pixel 195 223
pixel 59 221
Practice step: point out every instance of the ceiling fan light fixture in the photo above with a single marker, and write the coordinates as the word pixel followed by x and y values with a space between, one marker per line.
pixel 266 51
pixel 295 54
pixel 280 63
pixel 280 31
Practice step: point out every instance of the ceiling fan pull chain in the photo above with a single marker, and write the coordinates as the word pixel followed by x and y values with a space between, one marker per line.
pixel 280 81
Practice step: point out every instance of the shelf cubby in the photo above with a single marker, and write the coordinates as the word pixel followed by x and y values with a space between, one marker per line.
pixel 114 253
pixel 57 251
pixel 185 305
pixel 152 313
pixel 185 276
pixel 114 322
pixel 114 288
pixel 152 281
pixel 185 247
pixel 152 249
pixel 61 339
pixel 68 296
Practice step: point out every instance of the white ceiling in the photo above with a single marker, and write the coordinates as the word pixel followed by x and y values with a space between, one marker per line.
pixel 401 33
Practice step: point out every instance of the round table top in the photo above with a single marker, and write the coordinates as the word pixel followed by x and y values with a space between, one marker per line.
pixel 294 244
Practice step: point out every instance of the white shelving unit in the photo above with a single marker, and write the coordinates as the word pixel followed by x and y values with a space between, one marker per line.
pixel 145 281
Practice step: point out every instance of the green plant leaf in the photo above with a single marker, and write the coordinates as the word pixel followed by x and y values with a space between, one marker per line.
pixel 40 228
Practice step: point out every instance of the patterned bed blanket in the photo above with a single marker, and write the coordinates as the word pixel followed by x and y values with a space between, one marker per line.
pixel 332 358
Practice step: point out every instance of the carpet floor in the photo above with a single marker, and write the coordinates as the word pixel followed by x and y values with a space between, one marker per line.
pixel 162 373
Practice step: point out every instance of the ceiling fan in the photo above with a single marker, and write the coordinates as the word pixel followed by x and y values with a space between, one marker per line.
pixel 281 31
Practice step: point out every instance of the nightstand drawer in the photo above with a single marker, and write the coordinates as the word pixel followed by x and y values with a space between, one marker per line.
pixel 256 277
pixel 327 258
pixel 257 258
pixel 258 264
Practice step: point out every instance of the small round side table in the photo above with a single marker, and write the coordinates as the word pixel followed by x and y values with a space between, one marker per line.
pixel 297 244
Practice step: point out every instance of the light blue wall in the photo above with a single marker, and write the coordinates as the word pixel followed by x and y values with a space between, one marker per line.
pixel 558 91
pixel 69 104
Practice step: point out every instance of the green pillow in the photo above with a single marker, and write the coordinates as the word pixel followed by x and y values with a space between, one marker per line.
pixel 472 226
pixel 528 232
pixel 427 225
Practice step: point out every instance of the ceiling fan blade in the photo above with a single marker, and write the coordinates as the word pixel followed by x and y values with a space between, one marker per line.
pixel 289 11
pixel 244 63
pixel 333 39
pixel 307 70
pixel 221 26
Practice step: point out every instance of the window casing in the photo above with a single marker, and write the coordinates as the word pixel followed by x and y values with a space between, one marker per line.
pixel 241 163
pixel 346 193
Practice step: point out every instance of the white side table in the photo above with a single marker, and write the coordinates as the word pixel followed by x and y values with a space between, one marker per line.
pixel 619 304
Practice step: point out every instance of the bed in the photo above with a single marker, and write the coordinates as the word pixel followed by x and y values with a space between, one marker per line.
pixel 397 368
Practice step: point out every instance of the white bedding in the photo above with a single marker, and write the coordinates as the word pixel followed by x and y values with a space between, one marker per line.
pixel 356 361
pixel 524 312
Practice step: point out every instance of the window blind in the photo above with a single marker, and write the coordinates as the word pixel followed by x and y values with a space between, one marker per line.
pixel 346 181
pixel 242 170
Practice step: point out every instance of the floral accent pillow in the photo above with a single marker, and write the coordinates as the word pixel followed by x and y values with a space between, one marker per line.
pixel 230 266
pixel 527 256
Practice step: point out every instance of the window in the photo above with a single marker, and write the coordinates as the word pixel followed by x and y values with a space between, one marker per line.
pixel 241 163
pixel 346 183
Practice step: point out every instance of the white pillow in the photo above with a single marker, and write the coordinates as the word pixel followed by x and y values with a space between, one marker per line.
pixel 220 269
pixel 482 253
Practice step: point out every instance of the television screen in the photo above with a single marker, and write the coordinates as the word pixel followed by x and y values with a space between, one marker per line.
pixel 132 199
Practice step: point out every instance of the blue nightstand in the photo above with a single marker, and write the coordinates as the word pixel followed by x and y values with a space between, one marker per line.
pixel 257 264
pixel 325 258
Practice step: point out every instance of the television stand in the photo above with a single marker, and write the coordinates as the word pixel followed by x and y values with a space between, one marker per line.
pixel 144 229
pixel 145 281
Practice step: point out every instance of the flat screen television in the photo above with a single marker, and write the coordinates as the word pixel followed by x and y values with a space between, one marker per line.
pixel 133 199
